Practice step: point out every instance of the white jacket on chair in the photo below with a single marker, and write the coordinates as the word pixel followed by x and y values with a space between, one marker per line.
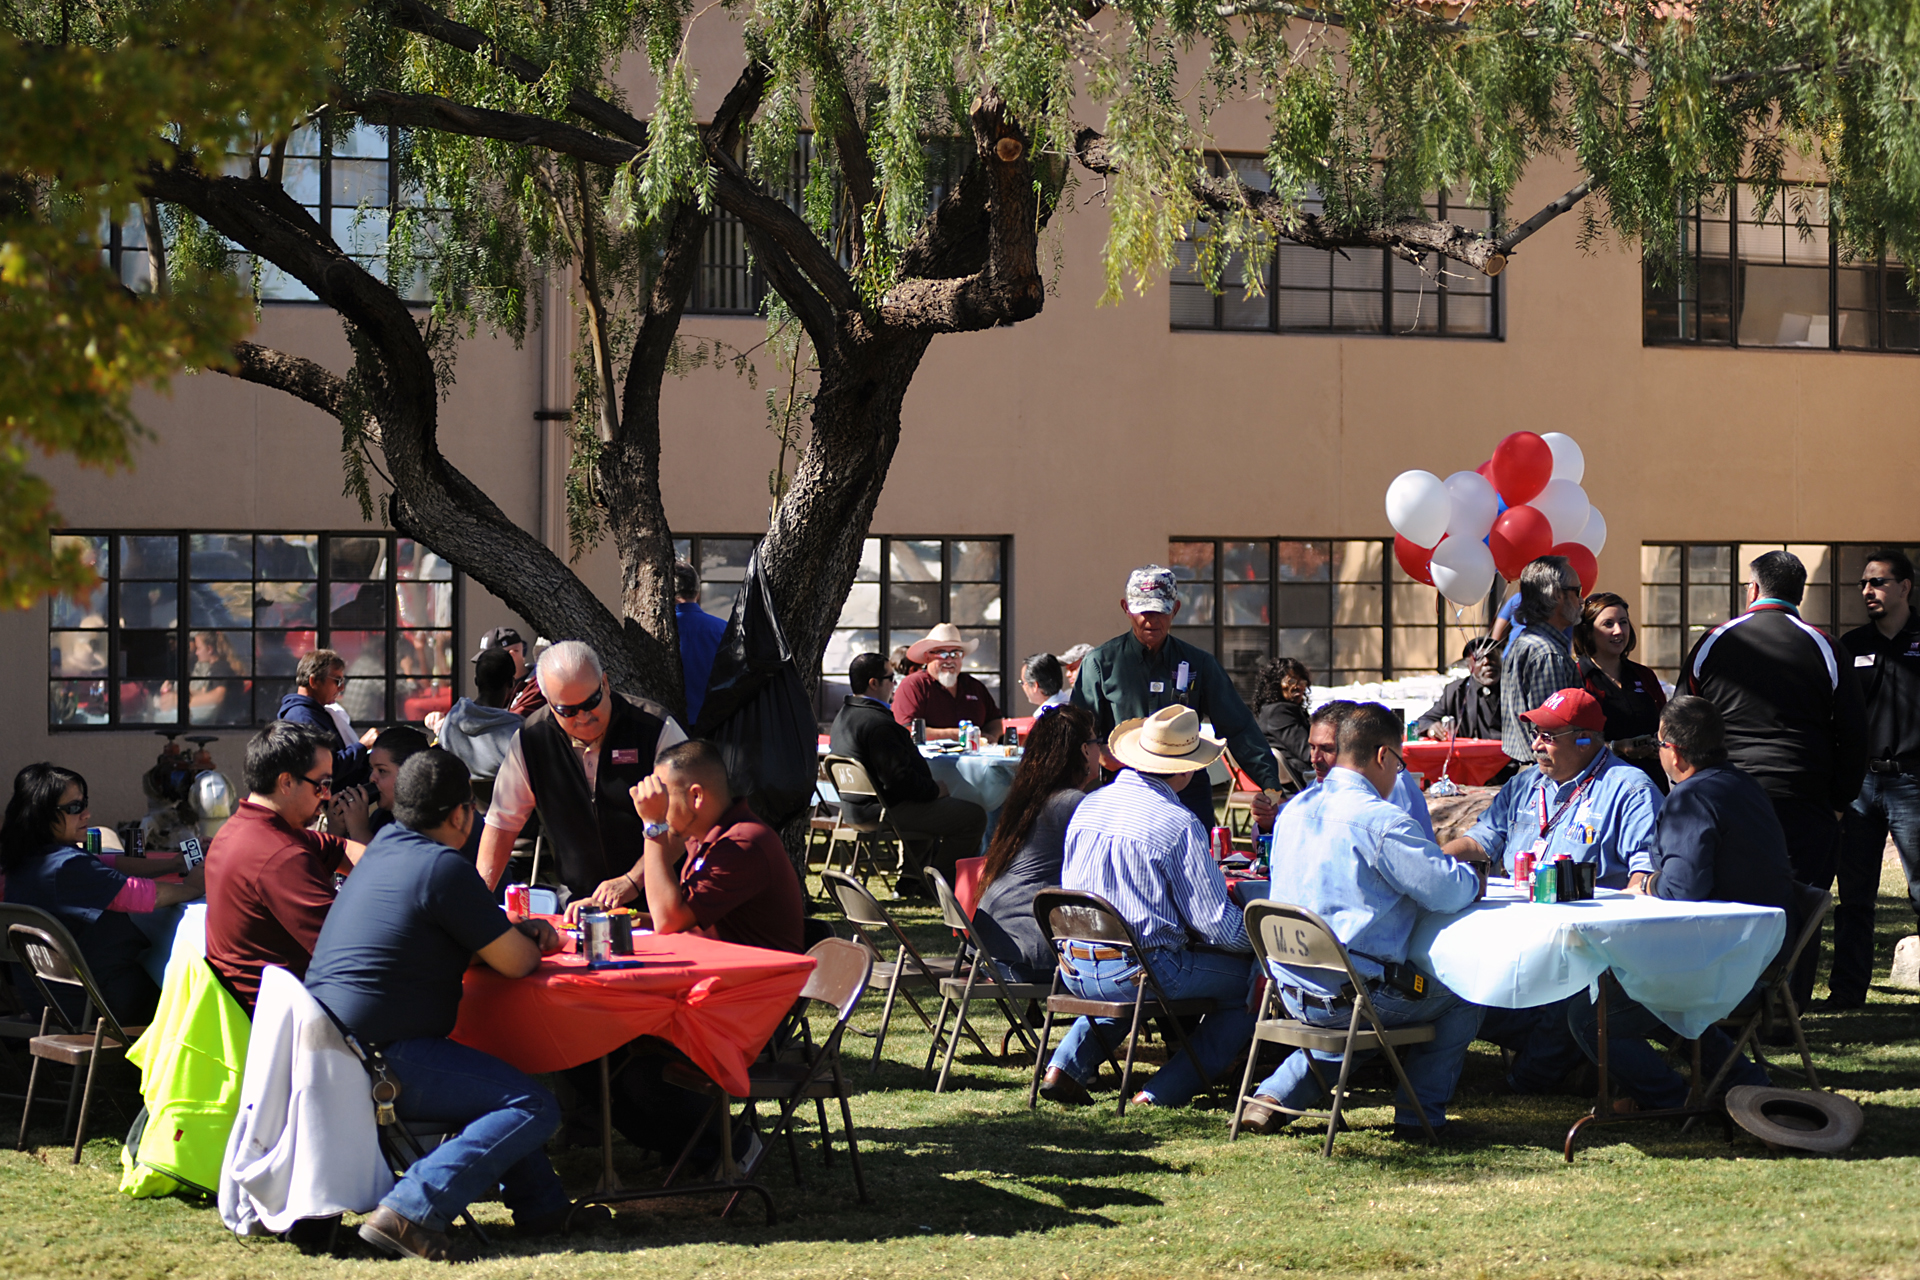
pixel 305 1144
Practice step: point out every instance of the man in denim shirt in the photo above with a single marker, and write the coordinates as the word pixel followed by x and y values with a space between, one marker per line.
pixel 1362 865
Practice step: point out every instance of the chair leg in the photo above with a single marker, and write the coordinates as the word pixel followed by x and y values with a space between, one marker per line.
pixel 33 1083
pixel 1799 1037
pixel 86 1099
pixel 1133 1043
pixel 1039 1062
pixel 939 1030
pixel 886 1012
pixel 846 1119
pixel 1246 1085
pixel 826 1139
pixel 953 1041
pixel 1339 1095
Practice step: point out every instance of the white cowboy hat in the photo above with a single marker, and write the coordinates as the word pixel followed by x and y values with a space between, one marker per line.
pixel 1168 741
pixel 943 636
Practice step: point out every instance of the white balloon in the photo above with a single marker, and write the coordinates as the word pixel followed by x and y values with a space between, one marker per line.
pixel 1474 503
pixel 1418 507
pixel 1566 508
pixel 1568 462
pixel 1463 570
pixel 1594 536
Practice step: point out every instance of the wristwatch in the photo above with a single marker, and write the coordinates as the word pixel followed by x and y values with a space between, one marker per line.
pixel 654 830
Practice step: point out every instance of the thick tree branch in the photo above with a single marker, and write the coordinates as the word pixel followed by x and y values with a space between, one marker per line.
pixel 740 196
pixel 1552 210
pixel 298 376
pixel 428 111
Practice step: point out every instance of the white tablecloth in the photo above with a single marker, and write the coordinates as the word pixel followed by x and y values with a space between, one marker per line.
pixel 1689 963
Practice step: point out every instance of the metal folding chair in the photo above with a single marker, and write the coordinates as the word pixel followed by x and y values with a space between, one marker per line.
pixel 1775 991
pixel 1069 917
pixel 959 994
pixel 851 785
pixel 878 932
pixel 1303 941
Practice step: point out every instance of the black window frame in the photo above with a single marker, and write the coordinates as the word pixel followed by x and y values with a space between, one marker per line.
pixel 183 627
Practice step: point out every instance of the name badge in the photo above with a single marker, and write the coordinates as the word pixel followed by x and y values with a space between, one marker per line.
pixel 630 755
pixel 1864 659
pixel 1156 686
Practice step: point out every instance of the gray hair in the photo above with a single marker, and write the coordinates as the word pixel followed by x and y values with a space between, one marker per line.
pixel 568 660
pixel 1541 583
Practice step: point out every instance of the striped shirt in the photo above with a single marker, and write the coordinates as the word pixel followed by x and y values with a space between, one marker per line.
pixel 1540 666
pixel 1133 843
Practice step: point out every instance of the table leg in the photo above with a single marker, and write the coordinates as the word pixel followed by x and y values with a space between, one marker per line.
pixel 609 1180
pixel 1603 1112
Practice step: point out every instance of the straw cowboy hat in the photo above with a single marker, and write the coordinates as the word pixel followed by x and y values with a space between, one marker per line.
pixel 1168 741
pixel 1806 1119
pixel 944 636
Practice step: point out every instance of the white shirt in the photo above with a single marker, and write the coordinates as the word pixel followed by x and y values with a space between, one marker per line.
pixel 513 799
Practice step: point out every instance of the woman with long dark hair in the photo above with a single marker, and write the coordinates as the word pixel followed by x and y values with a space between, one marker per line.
pixel 1629 694
pixel 1030 843
pixel 40 839
pixel 1279 705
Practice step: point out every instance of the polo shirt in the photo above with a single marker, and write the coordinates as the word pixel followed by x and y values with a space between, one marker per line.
pixel 1888 671
pixel 922 695
pixel 392 959
pixel 269 887
pixel 740 886
pixel 1604 814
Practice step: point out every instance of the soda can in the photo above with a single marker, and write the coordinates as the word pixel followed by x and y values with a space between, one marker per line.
pixel 519 901
pixel 133 840
pixel 1523 869
pixel 620 932
pixel 920 730
pixel 1222 844
pixel 1543 884
pixel 596 938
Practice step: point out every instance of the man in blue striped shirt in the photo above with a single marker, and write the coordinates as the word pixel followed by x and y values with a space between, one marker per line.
pixel 1135 844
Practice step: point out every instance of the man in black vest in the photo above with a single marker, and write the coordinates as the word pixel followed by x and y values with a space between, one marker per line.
pixel 575 760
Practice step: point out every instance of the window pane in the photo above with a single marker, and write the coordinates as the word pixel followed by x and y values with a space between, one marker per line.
pixel 717 598
pixel 1659 563
pixel 219 702
pixel 1190 306
pixel 77 702
pixel 77 653
pixel 1312 647
pixel 423 653
pixel 1660 606
pixel 1659 648
pixel 973 561
pixel 220 557
pixel 1412 601
pixel 220 604
pixel 987 656
pixel 1710 564
pixel 1191 560
pixel 365 653
pixel 358 182
pixel 284 604
pixel 1240 649
pixel 149 702
pixel 1244 562
pixel 915 561
pixel 913 607
pixel 1305 562
pixel 416 562
pixel 267 696
pixel 357 559
pixel 153 655
pixel 87 610
pixel 1247 605
pixel 1468 314
pixel 1196 608
pixel 862 608
pixel 1302 606
pixel 149 556
pixel 425 604
pixel 869 570
pixel 977 605
pixel 1357 561
pixel 1358 649
pixel 1707 606
pixel 1198 637
pixel 278 653
pixel 357 604
pixel 843 646
pixel 1415 649
pixel 221 653
pixel 419 698
pixel 1357 603
pixel 1782 306
pixel 149 604
pixel 724 559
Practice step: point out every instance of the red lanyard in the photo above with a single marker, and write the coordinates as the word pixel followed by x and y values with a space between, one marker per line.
pixel 1547 824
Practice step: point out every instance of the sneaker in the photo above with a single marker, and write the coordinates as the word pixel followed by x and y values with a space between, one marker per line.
pixel 398 1237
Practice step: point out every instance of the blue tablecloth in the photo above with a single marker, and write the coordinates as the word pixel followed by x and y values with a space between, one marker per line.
pixel 1689 963
pixel 985 780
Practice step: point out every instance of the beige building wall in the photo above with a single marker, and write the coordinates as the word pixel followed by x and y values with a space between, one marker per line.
pixel 1091 436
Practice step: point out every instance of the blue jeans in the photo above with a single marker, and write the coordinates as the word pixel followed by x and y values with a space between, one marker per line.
pixel 1889 803
pixel 1636 1064
pixel 1543 1048
pixel 1183 975
pixel 1432 1068
pixel 503 1121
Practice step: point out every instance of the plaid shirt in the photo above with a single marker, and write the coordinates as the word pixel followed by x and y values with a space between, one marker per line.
pixel 1540 665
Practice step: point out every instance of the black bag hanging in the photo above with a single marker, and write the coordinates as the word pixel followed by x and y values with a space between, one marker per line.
pixel 757 710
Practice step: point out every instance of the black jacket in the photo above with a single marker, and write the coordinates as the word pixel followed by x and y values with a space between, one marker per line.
pixel 866 730
pixel 1717 840
pixel 1888 669
pixel 1795 720
pixel 1285 726
pixel 595 835
pixel 1475 709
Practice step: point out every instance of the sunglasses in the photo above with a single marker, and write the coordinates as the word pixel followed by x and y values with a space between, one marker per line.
pixel 77 808
pixel 568 711
pixel 946 653
pixel 1878 584
pixel 322 785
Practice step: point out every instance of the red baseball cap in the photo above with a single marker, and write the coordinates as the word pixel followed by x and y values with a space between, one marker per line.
pixel 1568 709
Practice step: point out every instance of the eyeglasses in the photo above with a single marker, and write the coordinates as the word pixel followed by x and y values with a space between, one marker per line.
pixel 1878 584
pixel 1539 734
pixel 77 808
pixel 1399 760
pixel 568 712
pixel 946 653
pixel 1668 745
pixel 322 785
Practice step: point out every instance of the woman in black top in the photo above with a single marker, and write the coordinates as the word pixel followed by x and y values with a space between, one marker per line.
pixel 1280 709
pixel 1629 693
pixel 1030 843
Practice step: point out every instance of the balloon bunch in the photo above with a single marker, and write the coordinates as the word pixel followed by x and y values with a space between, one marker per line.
pixel 1523 503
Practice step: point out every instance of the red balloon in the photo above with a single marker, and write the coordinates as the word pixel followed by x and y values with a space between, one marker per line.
pixel 1416 560
pixel 1522 465
pixel 1520 536
pixel 1583 564
pixel 1486 470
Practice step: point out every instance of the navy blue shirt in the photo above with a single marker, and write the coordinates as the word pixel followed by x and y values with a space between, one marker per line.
pixel 1717 840
pixel 700 634
pixel 396 946
pixel 350 763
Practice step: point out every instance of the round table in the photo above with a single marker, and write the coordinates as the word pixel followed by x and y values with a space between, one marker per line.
pixel 1474 759
pixel 981 778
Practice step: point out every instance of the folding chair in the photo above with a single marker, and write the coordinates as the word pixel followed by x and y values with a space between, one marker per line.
pixel 1071 918
pixel 852 784
pixel 840 975
pixel 1240 793
pixel 874 927
pixel 1308 945
pixel 1774 985
pixel 51 956
pixel 823 819
pixel 959 995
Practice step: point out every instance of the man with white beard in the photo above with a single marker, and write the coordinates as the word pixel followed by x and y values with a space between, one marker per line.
pixel 943 695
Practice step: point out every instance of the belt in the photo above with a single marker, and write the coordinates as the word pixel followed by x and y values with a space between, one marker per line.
pixel 1331 1004
pixel 1082 951
pixel 1890 766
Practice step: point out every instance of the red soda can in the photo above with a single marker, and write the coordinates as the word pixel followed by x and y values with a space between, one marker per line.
pixel 519 904
pixel 1523 868
pixel 1222 844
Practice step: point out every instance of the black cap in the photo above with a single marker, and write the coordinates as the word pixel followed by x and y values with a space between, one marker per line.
pixel 498 638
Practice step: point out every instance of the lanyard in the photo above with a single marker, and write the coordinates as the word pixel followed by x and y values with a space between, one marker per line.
pixel 1548 824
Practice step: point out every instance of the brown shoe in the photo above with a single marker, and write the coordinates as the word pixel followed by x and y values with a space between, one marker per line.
pixel 1058 1086
pixel 1263 1117
pixel 390 1233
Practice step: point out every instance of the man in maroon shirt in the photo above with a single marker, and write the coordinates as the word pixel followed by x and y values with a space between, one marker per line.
pixel 942 694
pixel 269 879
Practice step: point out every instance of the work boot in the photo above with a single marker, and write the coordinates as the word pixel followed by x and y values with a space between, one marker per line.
pixel 392 1234
pixel 1058 1086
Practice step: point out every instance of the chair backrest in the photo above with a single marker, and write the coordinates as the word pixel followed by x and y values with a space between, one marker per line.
pixel 839 977
pixel 1072 915
pixel 850 780
pixel 1282 933
pixel 1238 776
pixel 861 908
pixel 1812 905
pixel 951 911
pixel 51 955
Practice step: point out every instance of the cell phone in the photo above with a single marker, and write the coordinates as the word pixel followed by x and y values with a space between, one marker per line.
pixel 190 850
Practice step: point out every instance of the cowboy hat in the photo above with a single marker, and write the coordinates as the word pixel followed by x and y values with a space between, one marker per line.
pixel 943 636
pixel 1168 741
pixel 1807 1119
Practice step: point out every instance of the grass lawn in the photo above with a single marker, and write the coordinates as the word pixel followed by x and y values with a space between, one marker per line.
pixel 972 1184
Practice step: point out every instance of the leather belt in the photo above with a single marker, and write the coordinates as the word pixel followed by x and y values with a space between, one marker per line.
pixel 1083 951
pixel 1889 766
pixel 1330 1004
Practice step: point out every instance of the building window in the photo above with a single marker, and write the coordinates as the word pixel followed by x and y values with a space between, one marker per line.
pixel 904 587
pixel 1776 279
pixel 1689 588
pixel 1355 291
pixel 721 561
pixel 1345 608
pixel 130 653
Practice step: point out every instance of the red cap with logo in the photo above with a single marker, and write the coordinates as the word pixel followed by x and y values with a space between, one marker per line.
pixel 1568 709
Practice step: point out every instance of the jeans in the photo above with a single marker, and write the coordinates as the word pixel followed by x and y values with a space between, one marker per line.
pixel 1813 848
pixel 1432 1068
pixel 1889 803
pixel 1183 975
pixel 503 1121
pixel 1544 1049
pixel 960 826
pixel 1636 1064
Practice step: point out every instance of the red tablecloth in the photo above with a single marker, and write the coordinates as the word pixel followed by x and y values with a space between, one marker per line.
pixel 715 1002
pixel 1474 759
